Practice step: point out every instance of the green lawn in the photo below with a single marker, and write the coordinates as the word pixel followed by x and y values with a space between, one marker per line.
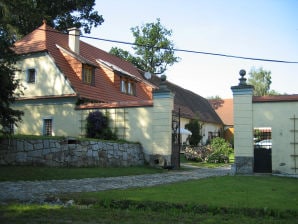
pixel 229 199
pixel 15 173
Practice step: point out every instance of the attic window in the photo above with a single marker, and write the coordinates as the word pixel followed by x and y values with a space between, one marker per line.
pixel 127 86
pixel 31 75
pixel 88 74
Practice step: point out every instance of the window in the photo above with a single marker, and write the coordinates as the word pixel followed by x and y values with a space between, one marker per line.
pixel 47 127
pixel 88 74
pixel 127 86
pixel 31 75
pixel 9 129
pixel 123 86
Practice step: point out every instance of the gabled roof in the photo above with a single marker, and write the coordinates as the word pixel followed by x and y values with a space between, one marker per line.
pixel 47 39
pixel 191 104
pixel 225 110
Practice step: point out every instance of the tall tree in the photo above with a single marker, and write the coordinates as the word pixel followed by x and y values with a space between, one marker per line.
pixel 8 83
pixel 153 49
pixel 25 15
pixel 261 80
pixel 20 17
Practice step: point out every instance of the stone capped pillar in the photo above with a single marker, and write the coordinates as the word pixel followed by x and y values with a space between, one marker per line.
pixel 161 145
pixel 243 126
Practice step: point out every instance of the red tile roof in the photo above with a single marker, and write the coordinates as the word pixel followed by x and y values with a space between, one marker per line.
pixel 225 110
pixel 55 43
pixel 277 98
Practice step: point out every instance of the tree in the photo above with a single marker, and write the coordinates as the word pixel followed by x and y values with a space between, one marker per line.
pixel 25 15
pixel 20 17
pixel 261 80
pixel 153 50
pixel 8 84
pixel 195 128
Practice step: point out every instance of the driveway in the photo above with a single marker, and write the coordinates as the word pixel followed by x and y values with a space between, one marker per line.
pixel 38 191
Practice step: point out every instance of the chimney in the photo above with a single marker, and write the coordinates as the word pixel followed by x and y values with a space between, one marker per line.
pixel 74 39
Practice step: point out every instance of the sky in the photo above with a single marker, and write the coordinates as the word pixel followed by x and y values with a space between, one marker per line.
pixel 266 29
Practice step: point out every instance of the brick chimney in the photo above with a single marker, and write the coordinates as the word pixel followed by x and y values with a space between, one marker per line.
pixel 74 39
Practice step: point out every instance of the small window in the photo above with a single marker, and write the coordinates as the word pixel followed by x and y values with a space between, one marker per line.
pixel 31 75
pixel 88 74
pixel 123 86
pixel 9 129
pixel 47 127
pixel 130 88
pixel 127 87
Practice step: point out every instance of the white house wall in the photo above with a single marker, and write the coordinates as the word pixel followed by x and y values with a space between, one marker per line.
pixel 66 120
pixel 277 116
pixel 49 80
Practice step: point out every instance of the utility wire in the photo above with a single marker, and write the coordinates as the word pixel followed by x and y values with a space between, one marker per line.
pixel 184 50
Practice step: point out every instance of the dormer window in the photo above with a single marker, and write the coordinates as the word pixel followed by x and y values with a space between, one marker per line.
pixel 127 86
pixel 31 75
pixel 88 76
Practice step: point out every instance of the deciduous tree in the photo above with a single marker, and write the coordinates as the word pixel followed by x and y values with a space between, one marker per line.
pixel 154 51
pixel 261 80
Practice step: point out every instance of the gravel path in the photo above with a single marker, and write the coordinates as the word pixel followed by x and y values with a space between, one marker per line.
pixel 40 190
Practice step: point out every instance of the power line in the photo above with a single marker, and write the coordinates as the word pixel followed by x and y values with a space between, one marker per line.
pixel 196 52
pixel 184 50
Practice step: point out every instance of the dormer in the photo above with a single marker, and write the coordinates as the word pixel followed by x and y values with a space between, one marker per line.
pixel 123 80
pixel 84 68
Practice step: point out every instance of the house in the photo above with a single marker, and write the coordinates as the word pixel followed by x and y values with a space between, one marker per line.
pixel 265 134
pixel 193 106
pixel 65 79
pixel 225 110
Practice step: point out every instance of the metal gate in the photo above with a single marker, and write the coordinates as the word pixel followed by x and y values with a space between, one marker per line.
pixel 262 150
pixel 175 157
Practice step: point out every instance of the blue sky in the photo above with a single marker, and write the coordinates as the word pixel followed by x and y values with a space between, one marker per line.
pixel 251 28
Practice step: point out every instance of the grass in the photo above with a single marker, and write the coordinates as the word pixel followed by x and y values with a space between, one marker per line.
pixel 31 173
pixel 229 199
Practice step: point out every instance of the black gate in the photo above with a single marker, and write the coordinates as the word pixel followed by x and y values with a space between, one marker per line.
pixel 175 157
pixel 262 151
pixel 262 160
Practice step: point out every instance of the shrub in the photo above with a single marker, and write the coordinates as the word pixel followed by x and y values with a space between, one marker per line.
pixel 220 151
pixel 195 128
pixel 98 126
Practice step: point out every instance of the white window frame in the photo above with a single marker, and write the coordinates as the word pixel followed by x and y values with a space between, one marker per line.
pixel 44 127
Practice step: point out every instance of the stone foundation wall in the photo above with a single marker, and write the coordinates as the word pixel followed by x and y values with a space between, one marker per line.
pixel 72 153
pixel 243 165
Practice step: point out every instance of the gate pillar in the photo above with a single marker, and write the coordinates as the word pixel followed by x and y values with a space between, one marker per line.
pixel 243 127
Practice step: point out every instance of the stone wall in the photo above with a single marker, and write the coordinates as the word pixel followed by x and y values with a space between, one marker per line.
pixel 63 153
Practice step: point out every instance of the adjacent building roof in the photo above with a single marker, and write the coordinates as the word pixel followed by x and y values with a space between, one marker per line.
pixel 225 110
pixel 191 105
pixel 55 43
pixel 276 98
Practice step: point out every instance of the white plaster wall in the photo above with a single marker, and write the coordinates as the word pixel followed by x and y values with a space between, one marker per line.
pixel 243 134
pixel 277 116
pixel 49 80
pixel 66 120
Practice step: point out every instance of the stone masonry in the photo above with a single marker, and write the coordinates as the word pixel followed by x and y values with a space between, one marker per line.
pixel 69 152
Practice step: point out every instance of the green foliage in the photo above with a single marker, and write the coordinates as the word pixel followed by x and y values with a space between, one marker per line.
pixel 261 80
pixel 220 151
pixel 98 126
pixel 8 84
pixel 195 127
pixel 154 49
pixel 23 16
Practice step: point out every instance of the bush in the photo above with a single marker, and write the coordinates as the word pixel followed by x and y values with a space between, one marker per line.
pixel 98 126
pixel 220 151
pixel 217 152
